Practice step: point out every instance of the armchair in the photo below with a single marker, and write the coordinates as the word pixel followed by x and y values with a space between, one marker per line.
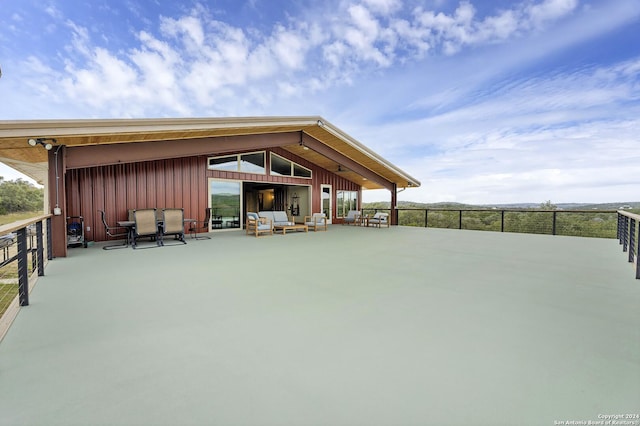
pixel 378 220
pixel 257 225
pixel 316 221
pixel 352 218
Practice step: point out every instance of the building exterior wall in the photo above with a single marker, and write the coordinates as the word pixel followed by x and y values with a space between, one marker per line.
pixel 168 183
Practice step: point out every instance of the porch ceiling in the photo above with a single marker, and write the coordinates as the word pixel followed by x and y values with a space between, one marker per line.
pixel 15 152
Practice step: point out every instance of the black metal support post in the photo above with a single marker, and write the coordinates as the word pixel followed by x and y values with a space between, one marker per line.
pixel 632 240
pixel 620 228
pixel 625 228
pixel 638 260
pixel 460 220
pixel 553 225
pixel 426 218
pixel 39 249
pixel 502 221
pixel 49 242
pixel 23 274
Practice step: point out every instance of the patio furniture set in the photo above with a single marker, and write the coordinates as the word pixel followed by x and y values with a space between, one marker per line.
pixel 268 222
pixel 148 223
pixel 378 220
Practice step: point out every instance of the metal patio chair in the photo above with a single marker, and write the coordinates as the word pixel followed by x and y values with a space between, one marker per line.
pixel 115 232
pixel 172 224
pixel 145 226
pixel 204 226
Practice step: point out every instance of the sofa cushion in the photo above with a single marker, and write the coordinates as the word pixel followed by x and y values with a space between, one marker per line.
pixel 279 218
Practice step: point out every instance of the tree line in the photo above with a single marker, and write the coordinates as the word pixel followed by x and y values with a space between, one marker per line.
pixel 19 196
pixel 545 219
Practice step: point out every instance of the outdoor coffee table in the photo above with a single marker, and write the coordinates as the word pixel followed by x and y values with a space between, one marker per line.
pixel 297 227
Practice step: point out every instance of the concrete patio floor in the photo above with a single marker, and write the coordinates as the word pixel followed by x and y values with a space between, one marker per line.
pixel 354 326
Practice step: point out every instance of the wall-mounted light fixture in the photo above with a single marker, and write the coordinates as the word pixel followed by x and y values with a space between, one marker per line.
pixel 320 123
pixel 43 142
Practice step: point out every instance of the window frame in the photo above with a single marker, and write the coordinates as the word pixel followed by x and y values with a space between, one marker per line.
pixel 292 167
pixel 239 161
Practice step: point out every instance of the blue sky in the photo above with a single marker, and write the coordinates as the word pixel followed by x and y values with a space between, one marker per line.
pixel 482 101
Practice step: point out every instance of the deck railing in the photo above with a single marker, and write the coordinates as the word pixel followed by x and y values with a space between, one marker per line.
pixel 624 226
pixel 628 224
pixel 580 223
pixel 25 246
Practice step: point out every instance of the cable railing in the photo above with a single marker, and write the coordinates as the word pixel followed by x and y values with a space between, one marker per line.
pixel 579 223
pixel 620 224
pixel 628 224
pixel 25 246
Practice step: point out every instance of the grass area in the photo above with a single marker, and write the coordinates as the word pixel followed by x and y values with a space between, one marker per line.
pixel 15 217
pixel 7 293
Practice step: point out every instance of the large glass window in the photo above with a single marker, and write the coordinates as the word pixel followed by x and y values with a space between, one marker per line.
pixel 249 163
pixel 299 171
pixel 252 163
pixel 346 200
pixel 224 163
pixel 283 167
pixel 280 166
pixel 225 203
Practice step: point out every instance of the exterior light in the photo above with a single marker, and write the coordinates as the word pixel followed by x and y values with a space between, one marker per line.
pixel 42 141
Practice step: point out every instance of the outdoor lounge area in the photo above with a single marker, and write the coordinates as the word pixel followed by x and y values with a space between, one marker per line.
pixel 410 326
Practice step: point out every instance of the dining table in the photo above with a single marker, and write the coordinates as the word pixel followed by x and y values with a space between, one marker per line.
pixel 130 225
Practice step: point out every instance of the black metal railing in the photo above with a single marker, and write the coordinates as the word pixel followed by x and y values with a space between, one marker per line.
pixel 628 237
pixel 579 223
pixel 620 224
pixel 24 246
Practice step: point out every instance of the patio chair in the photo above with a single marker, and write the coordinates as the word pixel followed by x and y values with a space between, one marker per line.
pixel 204 226
pixel 114 232
pixel 172 224
pixel 352 218
pixel 316 221
pixel 145 226
pixel 378 220
pixel 257 225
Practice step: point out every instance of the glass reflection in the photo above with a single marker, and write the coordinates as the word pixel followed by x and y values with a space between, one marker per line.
pixel 225 204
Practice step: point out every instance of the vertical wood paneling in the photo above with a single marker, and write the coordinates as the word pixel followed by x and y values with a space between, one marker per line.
pixel 186 185
pixel 181 182
pixel 120 208
pixel 151 183
pixel 85 186
pixel 130 179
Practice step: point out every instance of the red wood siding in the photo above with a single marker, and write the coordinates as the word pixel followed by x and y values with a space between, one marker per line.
pixel 180 182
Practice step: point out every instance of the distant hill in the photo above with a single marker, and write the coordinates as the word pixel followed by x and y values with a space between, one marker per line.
pixel 627 205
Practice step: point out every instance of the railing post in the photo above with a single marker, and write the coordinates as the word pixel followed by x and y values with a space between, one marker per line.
pixel 502 221
pixel 553 226
pixel 632 240
pixel 426 218
pixel 637 260
pixel 460 220
pixel 49 242
pixel 620 228
pixel 39 249
pixel 23 274
pixel 625 227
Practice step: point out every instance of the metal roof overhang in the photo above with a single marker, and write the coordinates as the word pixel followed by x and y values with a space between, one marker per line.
pixel 329 147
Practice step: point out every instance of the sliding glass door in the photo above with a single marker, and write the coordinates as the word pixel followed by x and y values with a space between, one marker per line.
pixel 226 204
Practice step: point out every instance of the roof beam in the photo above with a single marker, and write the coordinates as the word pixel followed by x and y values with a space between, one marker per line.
pixel 102 155
pixel 341 159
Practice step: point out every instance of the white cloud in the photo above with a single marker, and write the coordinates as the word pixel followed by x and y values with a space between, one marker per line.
pixel 424 88
pixel 549 10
